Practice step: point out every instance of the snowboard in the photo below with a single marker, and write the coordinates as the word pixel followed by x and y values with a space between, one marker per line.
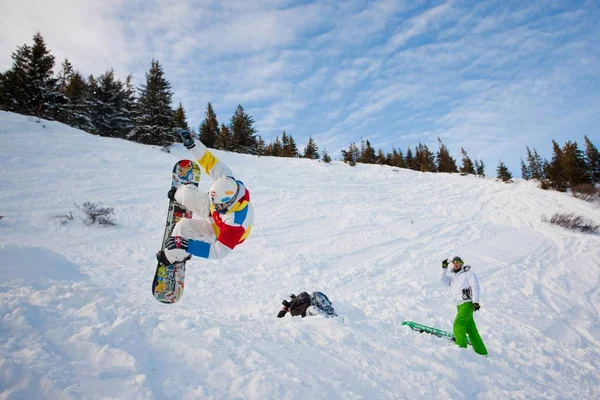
pixel 433 331
pixel 169 280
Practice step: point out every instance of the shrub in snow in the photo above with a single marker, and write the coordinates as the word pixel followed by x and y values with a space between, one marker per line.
pixel 64 218
pixel 95 213
pixel 573 222
pixel 585 192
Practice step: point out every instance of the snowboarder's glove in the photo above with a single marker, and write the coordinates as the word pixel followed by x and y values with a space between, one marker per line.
pixel 281 313
pixel 476 306
pixel 445 263
pixel 177 242
pixel 171 194
pixel 186 136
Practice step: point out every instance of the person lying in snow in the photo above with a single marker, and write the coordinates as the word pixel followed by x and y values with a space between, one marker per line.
pixel 465 292
pixel 307 304
pixel 228 213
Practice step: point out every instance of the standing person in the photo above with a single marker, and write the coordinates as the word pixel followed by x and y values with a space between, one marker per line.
pixel 226 211
pixel 465 292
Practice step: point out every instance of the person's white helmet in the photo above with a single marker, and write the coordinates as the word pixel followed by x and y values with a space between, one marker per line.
pixel 223 193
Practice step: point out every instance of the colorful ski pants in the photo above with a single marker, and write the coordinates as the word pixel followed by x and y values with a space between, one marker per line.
pixel 464 325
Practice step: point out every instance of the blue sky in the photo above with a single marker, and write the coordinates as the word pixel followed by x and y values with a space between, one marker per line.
pixel 490 76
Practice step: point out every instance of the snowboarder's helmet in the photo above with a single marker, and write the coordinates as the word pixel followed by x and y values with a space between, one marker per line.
pixel 223 193
pixel 458 259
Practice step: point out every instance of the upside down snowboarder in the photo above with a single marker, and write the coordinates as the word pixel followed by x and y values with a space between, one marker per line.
pixel 226 211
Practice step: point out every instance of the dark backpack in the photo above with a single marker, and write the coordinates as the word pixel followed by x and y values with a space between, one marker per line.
pixel 322 303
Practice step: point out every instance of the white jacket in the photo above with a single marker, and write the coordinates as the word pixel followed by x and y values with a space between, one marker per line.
pixel 463 284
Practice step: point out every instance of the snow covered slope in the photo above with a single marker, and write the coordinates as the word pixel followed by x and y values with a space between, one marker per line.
pixel 78 320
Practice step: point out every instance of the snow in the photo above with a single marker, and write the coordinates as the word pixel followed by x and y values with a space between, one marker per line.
pixel 78 320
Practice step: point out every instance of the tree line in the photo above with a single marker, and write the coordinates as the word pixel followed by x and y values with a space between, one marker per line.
pixel 106 106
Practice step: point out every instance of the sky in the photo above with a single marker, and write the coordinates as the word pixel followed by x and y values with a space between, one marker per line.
pixel 78 319
pixel 489 76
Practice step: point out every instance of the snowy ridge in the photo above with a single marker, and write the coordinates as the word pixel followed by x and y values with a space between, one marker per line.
pixel 79 320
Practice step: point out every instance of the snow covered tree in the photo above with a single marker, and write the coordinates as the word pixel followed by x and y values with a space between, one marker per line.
pixel 325 156
pixel 445 162
pixel 29 87
pixel 209 128
pixel 502 173
pixel 109 116
pixel 154 119
pixel 592 159
pixel 311 150
pixel 243 132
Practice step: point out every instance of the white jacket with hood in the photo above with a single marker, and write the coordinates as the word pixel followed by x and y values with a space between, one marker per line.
pixel 463 284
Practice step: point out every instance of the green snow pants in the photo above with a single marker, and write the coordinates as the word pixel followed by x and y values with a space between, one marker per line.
pixel 464 325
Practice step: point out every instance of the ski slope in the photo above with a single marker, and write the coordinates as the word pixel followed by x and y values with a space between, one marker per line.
pixel 78 320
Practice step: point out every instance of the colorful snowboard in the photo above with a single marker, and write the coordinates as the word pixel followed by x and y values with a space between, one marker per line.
pixel 168 283
pixel 428 329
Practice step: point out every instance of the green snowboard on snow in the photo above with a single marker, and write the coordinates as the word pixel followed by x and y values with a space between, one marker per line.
pixel 433 331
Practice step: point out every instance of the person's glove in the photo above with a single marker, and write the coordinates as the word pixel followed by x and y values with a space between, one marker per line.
pixel 177 242
pixel 445 263
pixel 171 194
pixel 476 306
pixel 186 136
pixel 281 313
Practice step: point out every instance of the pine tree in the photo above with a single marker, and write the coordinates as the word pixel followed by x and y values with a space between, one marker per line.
pixel 367 153
pixel 351 155
pixel 525 174
pixel 574 165
pixel 397 159
pixel 381 159
pixel 78 113
pixel 107 102
pixel 467 165
pixel 534 165
pixel 445 162
pixel 180 118
pixel 154 118
pixel 311 150
pixel 29 86
pixel 480 168
pixel 209 128
pixel 292 149
pixel 224 140
pixel 503 173
pixel 410 160
pixel 261 148
pixel 425 159
pixel 553 170
pixel 243 132
pixel 128 108
pixel 276 148
pixel 592 159
pixel 285 142
pixel 325 156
